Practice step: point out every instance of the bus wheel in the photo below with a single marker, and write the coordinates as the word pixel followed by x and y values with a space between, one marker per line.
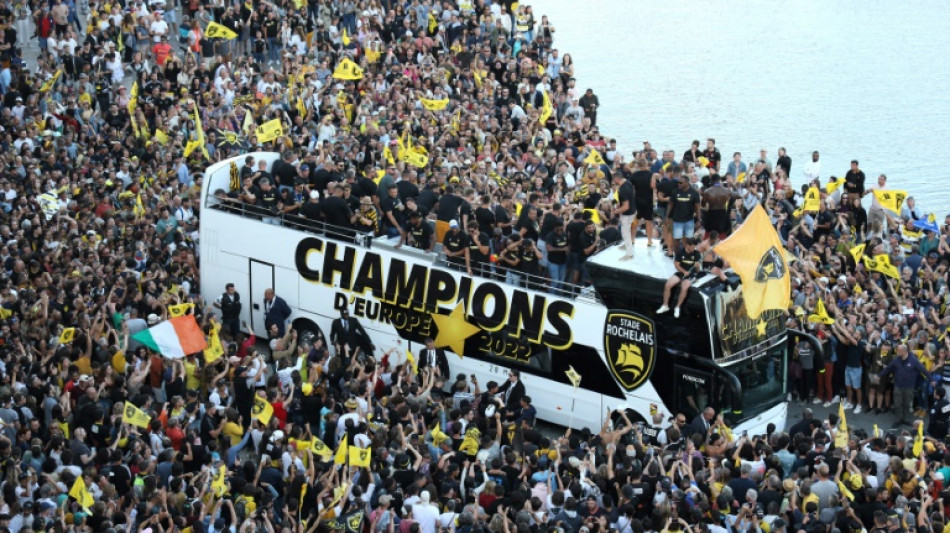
pixel 308 332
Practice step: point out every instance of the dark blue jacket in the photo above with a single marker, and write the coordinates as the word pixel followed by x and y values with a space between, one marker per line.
pixel 905 371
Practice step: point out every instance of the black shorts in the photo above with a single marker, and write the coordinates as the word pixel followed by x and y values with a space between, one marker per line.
pixel 644 209
pixel 718 220
pixel 689 277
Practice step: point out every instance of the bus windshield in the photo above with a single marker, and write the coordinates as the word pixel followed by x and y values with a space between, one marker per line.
pixel 763 380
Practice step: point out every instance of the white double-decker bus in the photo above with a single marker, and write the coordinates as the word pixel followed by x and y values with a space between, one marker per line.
pixel 713 355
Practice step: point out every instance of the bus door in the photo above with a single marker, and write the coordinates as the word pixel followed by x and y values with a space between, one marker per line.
pixel 262 278
pixel 694 391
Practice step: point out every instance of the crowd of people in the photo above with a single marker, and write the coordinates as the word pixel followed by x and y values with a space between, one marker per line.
pixel 393 114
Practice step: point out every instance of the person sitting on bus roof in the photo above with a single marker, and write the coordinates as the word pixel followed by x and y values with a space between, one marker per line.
pixel 418 233
pixel 686 263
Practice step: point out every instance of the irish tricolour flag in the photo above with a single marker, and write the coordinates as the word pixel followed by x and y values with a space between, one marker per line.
pixel 174 338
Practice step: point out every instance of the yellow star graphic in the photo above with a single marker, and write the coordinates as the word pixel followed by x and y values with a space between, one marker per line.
pixel 760 327
pixel 453 330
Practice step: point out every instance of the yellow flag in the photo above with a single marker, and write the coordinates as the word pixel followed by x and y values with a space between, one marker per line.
pixel 594 215
pixel 844 489
pixel 139 209
pixel 133 98
pixel 360 456
pixel 341 452
pixel 180 309
pixel 50 83
pixel 248 123
pixel 388 154
pixel 594 158
pixel 834 185
pixel 67 335
pixel 347 70
pixel 919 439
pixel 881 263
pixel 857 252
pixel 573 376
pixel 433 24
pixel 438 436
pixel 877 432
pixel 346 38
pixel 546 108
pixel 841 436
pixel 821 314
pixel 477 76
pixel 161 137
pixel 218 484
pixel 5 313
pixel 262 410
pixel 269 130
pixel 80 493
pixel 434 105
pixel 301 107
pixel 470 443
pixel 135 416
pixel 741 177
pixel 891 200
pixel 319 448
pixel 757 255
pixel 812 199
pixel 215 349
pixel 416 159
pixel 215 30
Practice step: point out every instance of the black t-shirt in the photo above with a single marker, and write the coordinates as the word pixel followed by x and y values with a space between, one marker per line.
pixel 407 189
pixel 548 222
pixel 530 227
pixel 684 204
pixel 394 206
pixel 502 217
pixel 574 230
pixel 474 255
pixel 284 173
pixel 667 187
pixel 311 210
pixel 268 199
pixel 321 178
pixel 610 236
pixel 686 259
pixel 485 218
pixel 626 194
pixel 529 261
pixel 854 181
pixel 426 200
pixel 455 241
pixel 336 211
pixel 421 235
pixel 449 206
pixel 584 241
pixel 557 240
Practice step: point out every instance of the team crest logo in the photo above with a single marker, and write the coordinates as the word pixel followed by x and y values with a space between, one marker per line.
pixel 770 266
pixel 630 346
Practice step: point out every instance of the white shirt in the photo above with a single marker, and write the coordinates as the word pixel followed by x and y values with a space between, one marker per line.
pixel 426 515
pixel 812 170
pixel 159 28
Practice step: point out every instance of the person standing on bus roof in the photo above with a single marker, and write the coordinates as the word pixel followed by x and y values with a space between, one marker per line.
pixel 312 210
pixel 394 212
pixel 448 209
pixel 627 211
pixel 455 247
pixel 230 305
pixel 276 311
pixel 335 209
pixel 684 209
pixel 686 261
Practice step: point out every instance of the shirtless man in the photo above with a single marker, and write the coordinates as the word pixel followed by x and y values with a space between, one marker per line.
pixel 716 203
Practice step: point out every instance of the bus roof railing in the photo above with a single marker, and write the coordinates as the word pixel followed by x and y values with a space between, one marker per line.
pixel 360 238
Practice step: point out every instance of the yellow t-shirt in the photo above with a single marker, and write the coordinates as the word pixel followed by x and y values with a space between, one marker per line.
pixel 235 431
pixel 191 378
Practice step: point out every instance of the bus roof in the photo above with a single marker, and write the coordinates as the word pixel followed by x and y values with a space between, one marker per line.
pixel 648 261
